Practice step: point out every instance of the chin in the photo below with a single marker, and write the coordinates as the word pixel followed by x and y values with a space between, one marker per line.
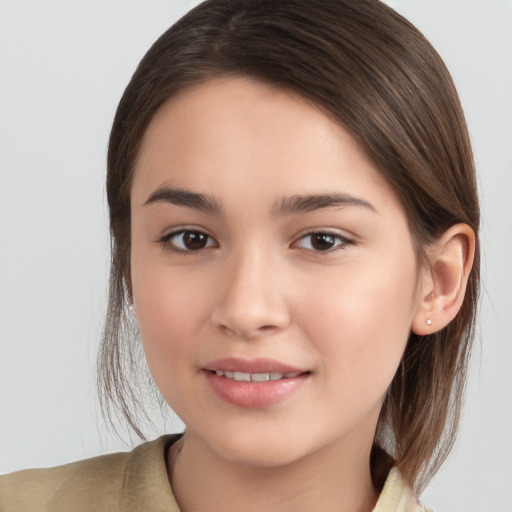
pixel 259 451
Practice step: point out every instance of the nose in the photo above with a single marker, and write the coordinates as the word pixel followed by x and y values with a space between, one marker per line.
pixel 252 299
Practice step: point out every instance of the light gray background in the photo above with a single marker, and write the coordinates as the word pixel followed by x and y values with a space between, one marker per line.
pixel 63 67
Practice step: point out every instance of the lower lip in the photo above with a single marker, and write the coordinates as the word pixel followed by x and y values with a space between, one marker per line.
pixel 254 394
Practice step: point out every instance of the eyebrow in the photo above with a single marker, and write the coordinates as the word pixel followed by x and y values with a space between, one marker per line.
pixel 286 206
pixel 180 197
pixel 309 203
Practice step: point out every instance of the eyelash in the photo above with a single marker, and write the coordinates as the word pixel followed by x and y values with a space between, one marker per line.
pixel 166 241
pixel 342 244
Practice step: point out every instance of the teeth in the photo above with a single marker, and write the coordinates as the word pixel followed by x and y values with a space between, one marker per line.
pixel 241 376
pixel 255 377
pixel 291 375
pixel 260 377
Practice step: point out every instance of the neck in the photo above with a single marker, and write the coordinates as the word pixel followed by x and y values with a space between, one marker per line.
pixel 331 479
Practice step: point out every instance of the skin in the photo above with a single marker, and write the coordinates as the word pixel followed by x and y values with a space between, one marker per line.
pixel 259 288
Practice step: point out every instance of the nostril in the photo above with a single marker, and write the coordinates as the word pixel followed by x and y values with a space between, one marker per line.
pixel 267 328
pixel 248 333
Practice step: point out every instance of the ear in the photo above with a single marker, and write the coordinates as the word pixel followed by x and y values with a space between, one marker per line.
pixel 441 287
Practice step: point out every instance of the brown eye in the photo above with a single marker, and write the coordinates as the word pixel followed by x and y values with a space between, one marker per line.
pixel 187 241
pixel 323 242
pixel 194 240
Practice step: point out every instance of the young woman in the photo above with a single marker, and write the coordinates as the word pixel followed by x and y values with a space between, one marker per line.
pixel 295 234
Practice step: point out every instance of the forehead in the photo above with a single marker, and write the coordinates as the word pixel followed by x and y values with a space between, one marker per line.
pixel 241 135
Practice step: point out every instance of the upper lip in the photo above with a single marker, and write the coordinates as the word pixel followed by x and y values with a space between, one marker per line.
pixel 260 365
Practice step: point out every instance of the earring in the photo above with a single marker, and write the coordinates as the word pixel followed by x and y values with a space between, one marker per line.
pixel 428 321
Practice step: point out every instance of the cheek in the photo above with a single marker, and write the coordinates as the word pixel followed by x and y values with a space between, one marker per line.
pixel 361 324
pixel 169 313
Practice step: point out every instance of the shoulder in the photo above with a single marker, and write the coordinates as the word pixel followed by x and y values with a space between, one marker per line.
pixel 397 497
pixel 36 489
pixel 100 483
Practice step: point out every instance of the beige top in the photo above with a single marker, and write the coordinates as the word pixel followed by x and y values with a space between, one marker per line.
pixel 130 481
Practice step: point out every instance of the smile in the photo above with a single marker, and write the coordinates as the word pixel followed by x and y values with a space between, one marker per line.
pixel 254 383
pixel 256 377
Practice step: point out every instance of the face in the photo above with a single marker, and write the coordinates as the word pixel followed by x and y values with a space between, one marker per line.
pixel 274 275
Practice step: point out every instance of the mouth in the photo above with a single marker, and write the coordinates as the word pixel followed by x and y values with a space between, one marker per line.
pixel 256 377
pixel 254 383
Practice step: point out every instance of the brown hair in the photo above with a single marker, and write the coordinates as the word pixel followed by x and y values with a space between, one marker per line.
pixel 374 73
